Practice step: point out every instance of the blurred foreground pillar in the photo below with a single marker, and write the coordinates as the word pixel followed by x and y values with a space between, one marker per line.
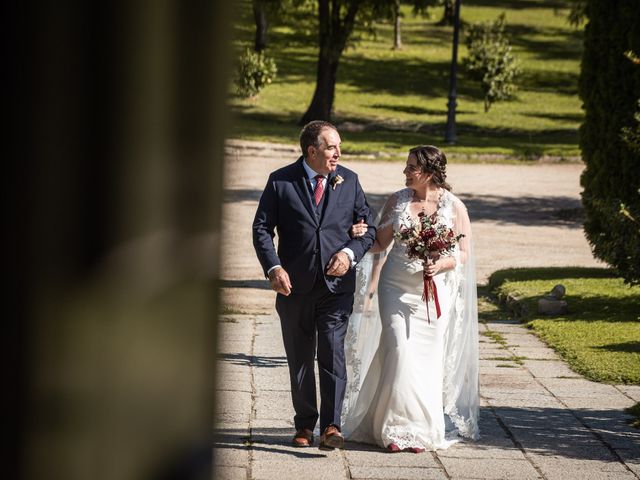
pixel 115 212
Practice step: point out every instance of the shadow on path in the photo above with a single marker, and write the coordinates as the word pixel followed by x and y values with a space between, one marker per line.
pixel 252 360
pixel 578 434
pixel 553 211
pixel 258 284
pixel 554 432
pixel 278 441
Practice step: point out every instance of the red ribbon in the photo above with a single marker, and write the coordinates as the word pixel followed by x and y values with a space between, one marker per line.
pixel 430 292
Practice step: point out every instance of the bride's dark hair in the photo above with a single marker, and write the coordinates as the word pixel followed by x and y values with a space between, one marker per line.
pixel 432 160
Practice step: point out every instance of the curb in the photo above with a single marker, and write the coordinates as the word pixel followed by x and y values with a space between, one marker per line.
pixel 238 145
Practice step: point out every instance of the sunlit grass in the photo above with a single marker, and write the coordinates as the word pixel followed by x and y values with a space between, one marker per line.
pixel 600 335
pixel 400 97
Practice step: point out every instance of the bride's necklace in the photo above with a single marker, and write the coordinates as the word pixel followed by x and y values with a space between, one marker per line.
pixel 435 198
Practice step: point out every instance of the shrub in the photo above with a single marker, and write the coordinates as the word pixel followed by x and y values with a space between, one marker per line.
pixel 609 88
pixel 577 12
pixel 255 71
pixel 631 135
pixel 491 61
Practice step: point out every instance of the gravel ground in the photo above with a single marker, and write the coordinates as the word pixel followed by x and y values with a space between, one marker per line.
pixel 522 215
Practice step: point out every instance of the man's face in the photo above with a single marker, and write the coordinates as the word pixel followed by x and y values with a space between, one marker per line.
pixel 324 159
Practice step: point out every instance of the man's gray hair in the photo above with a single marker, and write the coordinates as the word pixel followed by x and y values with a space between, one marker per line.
pixel 310 134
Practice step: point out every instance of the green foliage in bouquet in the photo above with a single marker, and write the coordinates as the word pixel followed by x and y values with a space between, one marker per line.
pixel 255 71
pixel 491 61
pixel 609 137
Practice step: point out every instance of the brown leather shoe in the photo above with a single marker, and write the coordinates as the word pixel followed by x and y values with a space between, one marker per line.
pixel 303 438
pixel 331 438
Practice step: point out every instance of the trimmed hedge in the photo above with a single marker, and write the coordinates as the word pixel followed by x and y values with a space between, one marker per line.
pixel 610 88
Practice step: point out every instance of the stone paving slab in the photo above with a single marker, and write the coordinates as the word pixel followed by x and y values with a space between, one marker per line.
pixel 562 468
pixel 396 473
pixel 279 382
pixel 529 428
pixel 549 369
pixel 489 453
pixel 505 327
pixel 502 365
pixel 601 402
pixel 231 401
pixel 232 385
pixel 535 353
pixel 231 473
pixel 232 457
pixel 631 458
pixel 488 353
pixel 510 384
pixel 273 404
pixel 320 468
pixel 523 339
pixel 632 391
pixel 493 468
pixel 365 456
pixel 571 387
pixel 504 368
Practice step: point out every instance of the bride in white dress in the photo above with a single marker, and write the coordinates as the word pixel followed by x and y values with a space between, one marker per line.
pixel 413 382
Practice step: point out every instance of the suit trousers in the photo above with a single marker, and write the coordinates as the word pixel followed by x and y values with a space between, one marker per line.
pixel 317 316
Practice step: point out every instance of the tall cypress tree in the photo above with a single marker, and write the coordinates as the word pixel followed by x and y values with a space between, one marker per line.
pixel 610 88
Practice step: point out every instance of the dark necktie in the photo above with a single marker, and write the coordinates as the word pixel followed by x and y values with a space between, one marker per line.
pixel 319 190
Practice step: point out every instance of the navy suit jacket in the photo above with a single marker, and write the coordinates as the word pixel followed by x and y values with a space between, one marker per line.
pixel 306 243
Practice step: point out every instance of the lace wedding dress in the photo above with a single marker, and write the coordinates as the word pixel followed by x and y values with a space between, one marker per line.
pixel 411 381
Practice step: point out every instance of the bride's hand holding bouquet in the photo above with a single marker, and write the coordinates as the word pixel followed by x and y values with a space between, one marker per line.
pixel 438 265
pixel 433 242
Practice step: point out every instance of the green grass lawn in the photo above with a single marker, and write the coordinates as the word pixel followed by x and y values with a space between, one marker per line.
pixel 600 336
pixel 400 97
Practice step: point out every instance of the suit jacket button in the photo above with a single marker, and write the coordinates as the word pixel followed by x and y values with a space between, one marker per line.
pixel 316 250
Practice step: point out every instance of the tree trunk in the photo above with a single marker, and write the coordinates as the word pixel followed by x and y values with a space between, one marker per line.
pixel 334 32
pixel 260 16
pixel 397 33
pixel 449 13
pixel 322 102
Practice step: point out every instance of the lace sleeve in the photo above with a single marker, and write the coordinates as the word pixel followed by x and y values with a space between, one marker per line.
pixel 393 208
pixel 462 225
pixel 386 219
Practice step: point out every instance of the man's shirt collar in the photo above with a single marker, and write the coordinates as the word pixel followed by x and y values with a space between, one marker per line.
pixel 310 172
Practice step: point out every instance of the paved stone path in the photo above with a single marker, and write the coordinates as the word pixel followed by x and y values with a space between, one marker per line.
pixel 538 418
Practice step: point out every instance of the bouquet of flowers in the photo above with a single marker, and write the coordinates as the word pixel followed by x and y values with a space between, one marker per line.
pixel 428 239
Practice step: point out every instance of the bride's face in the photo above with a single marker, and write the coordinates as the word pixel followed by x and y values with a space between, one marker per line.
pixel 413 175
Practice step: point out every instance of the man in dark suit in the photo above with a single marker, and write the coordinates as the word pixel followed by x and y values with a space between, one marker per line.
pixel 312 204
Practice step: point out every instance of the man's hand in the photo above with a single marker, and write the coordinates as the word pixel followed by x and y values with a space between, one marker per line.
pixel 279 279
pixel 339 264
pixel 359 229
